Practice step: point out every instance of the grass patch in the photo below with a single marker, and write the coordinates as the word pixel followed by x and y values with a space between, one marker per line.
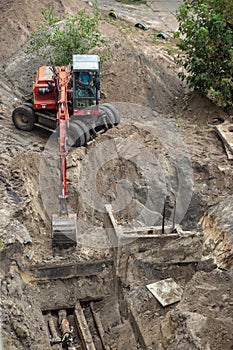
pixel 170 44
pixel 21 333
pixel 124 26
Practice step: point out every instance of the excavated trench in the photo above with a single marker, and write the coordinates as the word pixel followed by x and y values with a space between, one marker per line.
pixel 142 169
pixel 103 291
pixel 106 300
pixel 83 327
pixel 102 284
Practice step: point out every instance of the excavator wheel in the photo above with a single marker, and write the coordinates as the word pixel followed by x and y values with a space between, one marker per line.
pixel 109 116
pixel 114 112
pixel 100 123
pixel 76 136
pixel 84 128
pixel 24 118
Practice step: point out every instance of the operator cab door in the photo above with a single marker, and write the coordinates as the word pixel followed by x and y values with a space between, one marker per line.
pixel 86 92
pixel 86 82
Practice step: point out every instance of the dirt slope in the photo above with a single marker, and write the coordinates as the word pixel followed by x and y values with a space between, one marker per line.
pixel 140 79
pixel 19 19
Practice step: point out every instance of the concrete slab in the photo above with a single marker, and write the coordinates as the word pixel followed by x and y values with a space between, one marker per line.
pixel 167 291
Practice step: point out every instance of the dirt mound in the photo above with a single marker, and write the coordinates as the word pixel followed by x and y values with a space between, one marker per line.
pixel 20 18
pixel 143 74
pixel 164 146
pixel 201 317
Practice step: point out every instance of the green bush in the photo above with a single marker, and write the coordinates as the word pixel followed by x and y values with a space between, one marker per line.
pixel 64 36
pixel 206 40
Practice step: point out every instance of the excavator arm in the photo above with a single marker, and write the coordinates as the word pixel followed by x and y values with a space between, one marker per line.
pixel 64 224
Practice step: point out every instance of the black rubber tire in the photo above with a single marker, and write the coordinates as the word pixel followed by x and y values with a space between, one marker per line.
pixel 114 111
pixel 100 125
pixel 84 127
pixel 110 118
pixel 24 118
pixel 75 136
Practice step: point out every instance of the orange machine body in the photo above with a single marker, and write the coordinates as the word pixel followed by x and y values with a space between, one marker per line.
pixel 44 89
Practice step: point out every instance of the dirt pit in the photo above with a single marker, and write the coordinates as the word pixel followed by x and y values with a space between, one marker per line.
pixel 164 151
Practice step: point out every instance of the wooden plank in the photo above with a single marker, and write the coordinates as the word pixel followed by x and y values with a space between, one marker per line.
pixel 149 230
pixel 99 326
pixel 113 222
pixel 225 131
pixel 58 271
pixel 83 329
pixel 229 154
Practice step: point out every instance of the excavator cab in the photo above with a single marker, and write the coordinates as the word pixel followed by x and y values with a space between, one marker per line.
pixel 86 84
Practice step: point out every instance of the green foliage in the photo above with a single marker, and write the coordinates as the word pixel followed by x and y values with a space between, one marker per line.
pixel 21 333
pixel 206 40
pixel 65 35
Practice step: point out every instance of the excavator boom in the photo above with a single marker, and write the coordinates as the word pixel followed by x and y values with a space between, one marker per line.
pixel 64 224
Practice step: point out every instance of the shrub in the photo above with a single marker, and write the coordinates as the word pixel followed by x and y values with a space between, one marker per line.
pixel 206 40
pixel 64 36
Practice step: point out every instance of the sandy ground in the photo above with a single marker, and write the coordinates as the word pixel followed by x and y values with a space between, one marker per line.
pixel 162 120
pixel 156 14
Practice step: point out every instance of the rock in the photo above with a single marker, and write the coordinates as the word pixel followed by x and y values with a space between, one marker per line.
pixel 17 232
pixel 30 254
pixel 207 265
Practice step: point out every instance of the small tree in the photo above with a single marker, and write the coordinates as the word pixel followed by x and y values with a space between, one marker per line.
pixel 65 35
pixel 206 39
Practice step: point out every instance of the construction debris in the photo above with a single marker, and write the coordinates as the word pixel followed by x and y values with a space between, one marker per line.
pixel 167 291
pixel 225 132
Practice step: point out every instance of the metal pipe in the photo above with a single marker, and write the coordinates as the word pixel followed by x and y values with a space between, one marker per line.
pixel 164 212
pixel 174 217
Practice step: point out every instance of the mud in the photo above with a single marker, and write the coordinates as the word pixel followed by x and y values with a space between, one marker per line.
pixel 165 146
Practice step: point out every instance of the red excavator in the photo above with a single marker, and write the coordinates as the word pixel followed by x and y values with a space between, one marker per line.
pixel 66 99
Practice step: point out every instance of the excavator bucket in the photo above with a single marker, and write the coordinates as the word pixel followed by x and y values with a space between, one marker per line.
pixel 64 231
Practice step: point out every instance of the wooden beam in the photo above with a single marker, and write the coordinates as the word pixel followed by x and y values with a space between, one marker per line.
pixel 83 329
pixel 225 131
